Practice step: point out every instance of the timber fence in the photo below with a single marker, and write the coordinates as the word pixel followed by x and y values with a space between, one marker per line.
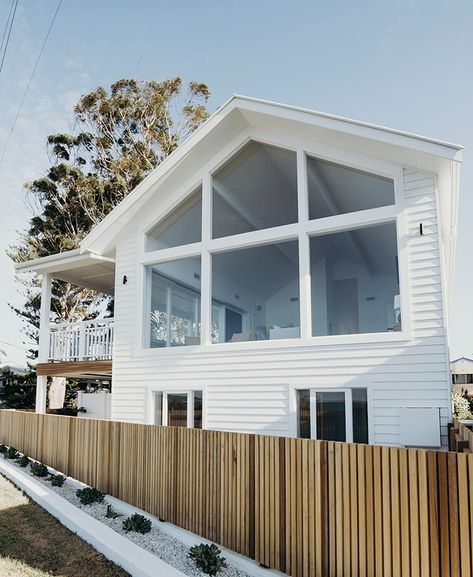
pixel 307 508
pixel 460 438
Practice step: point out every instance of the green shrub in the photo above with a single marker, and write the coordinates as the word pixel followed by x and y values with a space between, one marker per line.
pixel 11 453
pixel 89 495
pixel 207 558
pixel 39 469
pixel 24 461
pixel 3 448
pixel 137 523
pixel 57 480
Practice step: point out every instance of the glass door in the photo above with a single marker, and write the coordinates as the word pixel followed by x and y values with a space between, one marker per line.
pixel 333 414
pixel 177 409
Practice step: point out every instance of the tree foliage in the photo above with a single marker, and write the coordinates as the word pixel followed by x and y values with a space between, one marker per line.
pixel 120 136
pixel 19 390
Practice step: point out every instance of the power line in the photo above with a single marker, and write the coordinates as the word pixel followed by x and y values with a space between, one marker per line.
pixel 6 25
pixel 12 345
pixel 29 81
pixel 14 7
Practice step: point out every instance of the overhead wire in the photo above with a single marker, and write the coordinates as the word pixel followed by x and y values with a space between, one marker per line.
pixel 12 345
pixel 9 26
pixel 6 25
pixel 25 94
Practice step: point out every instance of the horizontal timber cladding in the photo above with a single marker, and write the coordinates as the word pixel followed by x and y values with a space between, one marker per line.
pixel 307 508
pixel 412 372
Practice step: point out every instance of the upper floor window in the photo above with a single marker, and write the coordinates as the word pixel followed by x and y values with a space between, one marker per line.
pixel 336 189
pixel 182 226
pixel 255 189
pixel 329 275
pixel 174 303
pixel 255 293
pixel 355 284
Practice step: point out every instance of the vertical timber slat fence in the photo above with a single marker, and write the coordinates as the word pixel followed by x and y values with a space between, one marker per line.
pixel 306 508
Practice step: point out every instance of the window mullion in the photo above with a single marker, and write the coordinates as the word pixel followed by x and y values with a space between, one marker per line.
pixel 168 314
pixel 206 279
pixel 349 415
pixel 313 414
pixel 305 300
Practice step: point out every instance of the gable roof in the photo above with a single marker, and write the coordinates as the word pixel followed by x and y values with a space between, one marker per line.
pixel 240 112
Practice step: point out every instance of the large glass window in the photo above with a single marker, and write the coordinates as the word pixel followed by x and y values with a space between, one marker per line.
pixel 182 226
pixel 256 189
pixel 174 314
pixel 355 283
pixel 255 293
pixel 336 189
pixel 353 274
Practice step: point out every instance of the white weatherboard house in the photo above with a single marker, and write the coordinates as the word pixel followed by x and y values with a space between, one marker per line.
pixel 283 272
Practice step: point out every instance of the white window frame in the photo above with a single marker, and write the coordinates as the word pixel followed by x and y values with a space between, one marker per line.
pixel 169 293
pixel 301 231
pixel 165 392
pixel 313 390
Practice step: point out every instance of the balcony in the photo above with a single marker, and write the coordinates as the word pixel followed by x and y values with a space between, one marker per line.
pixel 82 349
pixel 82 341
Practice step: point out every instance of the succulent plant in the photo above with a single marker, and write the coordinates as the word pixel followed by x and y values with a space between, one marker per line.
pixel 137 523
pixel 57 480
pixel 208 558
pixel 39 469
pixel 89 495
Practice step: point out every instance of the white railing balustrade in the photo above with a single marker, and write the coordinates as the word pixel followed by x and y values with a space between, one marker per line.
pixel 86 340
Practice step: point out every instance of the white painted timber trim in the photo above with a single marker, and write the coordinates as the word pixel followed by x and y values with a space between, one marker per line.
pixel 137 561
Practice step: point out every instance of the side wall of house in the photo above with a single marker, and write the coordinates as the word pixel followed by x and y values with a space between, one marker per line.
pixel 253 390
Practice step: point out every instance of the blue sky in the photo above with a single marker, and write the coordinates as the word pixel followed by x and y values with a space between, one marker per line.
pixel 399 63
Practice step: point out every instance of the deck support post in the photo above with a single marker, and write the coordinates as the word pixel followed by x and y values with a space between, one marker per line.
pixel 43 353
pixel 41 393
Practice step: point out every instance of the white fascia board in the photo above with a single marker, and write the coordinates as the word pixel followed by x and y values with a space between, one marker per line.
pixel 60 262
pixel 355 127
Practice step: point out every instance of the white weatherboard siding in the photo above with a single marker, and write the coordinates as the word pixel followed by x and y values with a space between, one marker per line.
pixel 253 389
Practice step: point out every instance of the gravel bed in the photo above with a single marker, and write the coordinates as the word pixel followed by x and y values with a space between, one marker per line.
pixel 164 546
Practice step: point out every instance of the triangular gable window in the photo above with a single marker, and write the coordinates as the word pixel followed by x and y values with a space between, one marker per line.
pixel 254 190
pixel 182 226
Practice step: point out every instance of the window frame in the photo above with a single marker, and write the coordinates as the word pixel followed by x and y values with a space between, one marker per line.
pixel 301 231
pixel 165 392
pixel 147 305
pixel 320 388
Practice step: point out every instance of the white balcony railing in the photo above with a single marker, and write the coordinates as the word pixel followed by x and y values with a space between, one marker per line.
pixel 86 340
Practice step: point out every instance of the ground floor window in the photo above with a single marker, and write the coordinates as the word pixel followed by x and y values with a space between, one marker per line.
pixel 178 409
pixel 333 414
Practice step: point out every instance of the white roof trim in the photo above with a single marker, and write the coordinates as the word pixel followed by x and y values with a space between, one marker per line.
pixel 60 262
pixel 342 119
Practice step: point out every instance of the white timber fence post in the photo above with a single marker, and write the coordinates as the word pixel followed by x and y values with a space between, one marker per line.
pixel 43 354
